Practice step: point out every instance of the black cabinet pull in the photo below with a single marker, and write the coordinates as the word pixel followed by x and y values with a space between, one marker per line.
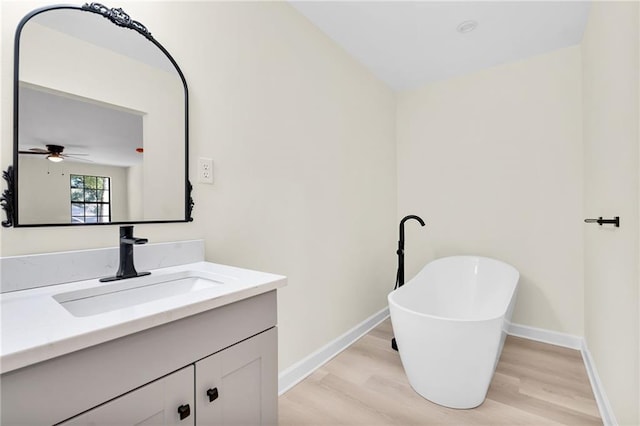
pixel 212 394
pixel 184 411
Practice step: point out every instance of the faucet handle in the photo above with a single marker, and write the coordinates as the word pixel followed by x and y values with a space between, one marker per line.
pixel 134 240
pixel 126 236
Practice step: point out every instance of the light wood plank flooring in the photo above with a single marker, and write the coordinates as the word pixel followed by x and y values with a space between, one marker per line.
pixel 534 384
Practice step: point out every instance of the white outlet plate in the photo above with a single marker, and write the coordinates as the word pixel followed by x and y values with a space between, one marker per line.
pixel 205 170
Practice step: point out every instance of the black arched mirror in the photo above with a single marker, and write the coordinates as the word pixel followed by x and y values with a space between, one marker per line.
pixel 100 123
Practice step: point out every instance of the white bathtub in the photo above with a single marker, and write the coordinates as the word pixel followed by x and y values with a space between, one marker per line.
pixel 450 323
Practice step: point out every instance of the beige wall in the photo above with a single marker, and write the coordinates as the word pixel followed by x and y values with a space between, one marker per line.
pixel 45 195
pixel 611 137
pixel 493 162
pixel 303 143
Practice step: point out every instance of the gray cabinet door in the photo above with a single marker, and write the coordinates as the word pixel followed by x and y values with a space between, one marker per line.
pixel 154 404
pixel 245 379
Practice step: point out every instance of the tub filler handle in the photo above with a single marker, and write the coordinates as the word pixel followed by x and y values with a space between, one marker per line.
pixel 600 221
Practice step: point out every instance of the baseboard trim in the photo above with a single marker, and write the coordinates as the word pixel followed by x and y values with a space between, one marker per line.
pixel 572 342
pixel 302 369
pixel 606 412
pixel 546 336
pixel 299 371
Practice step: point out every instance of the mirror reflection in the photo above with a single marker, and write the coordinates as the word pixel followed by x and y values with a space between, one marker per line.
pixel 101 124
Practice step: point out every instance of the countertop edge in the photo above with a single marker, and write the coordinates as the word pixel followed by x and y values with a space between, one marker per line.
pixel 33 355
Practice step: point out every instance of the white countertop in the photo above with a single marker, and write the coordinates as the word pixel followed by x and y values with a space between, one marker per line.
pixel 35 327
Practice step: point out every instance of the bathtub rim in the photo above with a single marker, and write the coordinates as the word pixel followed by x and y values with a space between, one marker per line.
pixel 390 300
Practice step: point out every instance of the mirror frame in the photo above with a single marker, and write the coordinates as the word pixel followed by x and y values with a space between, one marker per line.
pixel 9 198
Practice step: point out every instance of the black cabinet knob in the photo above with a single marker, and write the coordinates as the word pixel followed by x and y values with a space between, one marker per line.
pixel 212 394
pixel 184 411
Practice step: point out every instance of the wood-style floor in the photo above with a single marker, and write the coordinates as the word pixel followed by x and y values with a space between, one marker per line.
pixel 534 384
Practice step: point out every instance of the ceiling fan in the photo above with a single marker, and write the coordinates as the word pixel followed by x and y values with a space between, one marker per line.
pixel 53 153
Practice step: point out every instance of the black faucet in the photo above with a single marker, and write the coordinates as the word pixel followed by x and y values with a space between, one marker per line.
pixel 126 269
pixel 400 252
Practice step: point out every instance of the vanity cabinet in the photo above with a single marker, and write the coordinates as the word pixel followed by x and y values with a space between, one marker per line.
pixel 232 387
pixel 167 402
pixel 235 386
pixel 144 377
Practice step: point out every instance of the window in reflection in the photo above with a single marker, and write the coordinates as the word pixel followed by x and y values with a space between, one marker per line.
pixel 90 199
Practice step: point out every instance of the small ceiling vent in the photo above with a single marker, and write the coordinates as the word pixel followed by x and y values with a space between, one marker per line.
pixel 467 26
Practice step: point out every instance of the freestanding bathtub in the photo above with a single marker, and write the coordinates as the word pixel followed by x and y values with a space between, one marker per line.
pixel 450 324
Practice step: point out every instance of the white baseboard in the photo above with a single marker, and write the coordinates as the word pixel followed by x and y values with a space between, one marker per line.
pixel 606 412
pixel 577 343
pixel 546 336
pixel 300 370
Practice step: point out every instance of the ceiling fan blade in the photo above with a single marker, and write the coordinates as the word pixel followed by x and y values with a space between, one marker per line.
pixel 40 150
pixel 33 152
pixel 74 154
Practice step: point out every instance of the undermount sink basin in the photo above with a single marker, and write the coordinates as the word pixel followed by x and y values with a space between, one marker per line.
pixel 133 291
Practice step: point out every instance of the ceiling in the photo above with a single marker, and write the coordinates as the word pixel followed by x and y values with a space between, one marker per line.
pixel 409 44
pixel 102 134
pixel 99 31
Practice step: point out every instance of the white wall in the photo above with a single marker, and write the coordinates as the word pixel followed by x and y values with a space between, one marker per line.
pixel 492 161
pixel 611 137
pixel 303 142
pixel 135 183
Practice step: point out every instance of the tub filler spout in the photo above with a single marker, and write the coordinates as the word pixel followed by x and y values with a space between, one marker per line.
pixel 400 252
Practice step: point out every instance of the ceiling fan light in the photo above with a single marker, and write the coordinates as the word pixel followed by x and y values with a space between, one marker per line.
pixel 56 158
